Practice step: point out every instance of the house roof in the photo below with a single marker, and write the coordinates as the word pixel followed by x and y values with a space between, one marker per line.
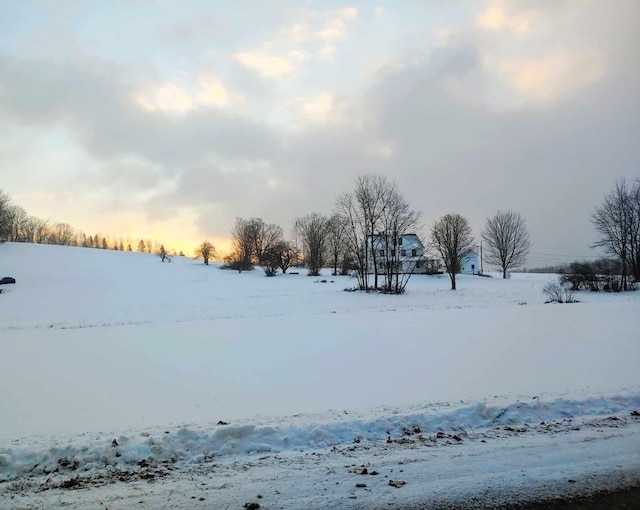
pixel 404 236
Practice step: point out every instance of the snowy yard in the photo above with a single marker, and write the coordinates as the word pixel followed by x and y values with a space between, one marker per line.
pixel 485 392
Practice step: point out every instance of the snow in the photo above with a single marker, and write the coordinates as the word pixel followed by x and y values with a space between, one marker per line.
pixel 99 345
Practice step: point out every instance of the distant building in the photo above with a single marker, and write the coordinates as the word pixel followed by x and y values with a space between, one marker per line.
pixel 407 252
pixel 470 264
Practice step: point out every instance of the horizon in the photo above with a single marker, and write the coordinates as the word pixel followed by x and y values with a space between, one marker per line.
pixel 168 120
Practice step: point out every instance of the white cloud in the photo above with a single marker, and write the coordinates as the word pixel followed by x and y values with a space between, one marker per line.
pixel 213 93
pixel 327 51
pixel 171 98
pixel 313 38
pixel 320 108
pixel 297 33
pixel 335 29
pixel 554 75
pixel 268 65
pixel 168 98
pixel 325 109
pixel 497 17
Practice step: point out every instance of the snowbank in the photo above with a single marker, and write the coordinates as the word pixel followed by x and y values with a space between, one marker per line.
pixel 193 445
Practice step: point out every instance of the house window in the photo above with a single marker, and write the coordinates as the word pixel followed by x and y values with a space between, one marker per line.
pixel 382 253
pixel 403 252
pixel 414 252
pixel 393 253
pixel 418 264
pixel 400 241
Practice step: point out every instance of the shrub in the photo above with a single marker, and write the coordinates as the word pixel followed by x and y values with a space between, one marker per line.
pixel 236 265
pixel 599 275
pixel 557 293
pixel 270 270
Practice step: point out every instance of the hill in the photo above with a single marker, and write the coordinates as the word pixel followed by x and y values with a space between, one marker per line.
pixel 100 345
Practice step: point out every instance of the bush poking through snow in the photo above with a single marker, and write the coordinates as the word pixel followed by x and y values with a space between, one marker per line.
pixel 270 270
pixel 557 293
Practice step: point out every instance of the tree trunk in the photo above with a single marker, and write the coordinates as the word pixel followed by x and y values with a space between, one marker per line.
pixel 504 274
pixel 453 281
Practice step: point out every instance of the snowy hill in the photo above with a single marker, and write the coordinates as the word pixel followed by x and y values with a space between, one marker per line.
pixel 101 345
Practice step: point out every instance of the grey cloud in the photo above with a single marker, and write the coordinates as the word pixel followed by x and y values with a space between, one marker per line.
pixel 455 61
pixel 552 163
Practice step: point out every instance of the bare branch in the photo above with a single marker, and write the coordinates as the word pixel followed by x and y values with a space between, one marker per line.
pixel 507 240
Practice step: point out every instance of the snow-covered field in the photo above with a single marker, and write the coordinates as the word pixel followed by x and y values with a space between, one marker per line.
pixel 115 370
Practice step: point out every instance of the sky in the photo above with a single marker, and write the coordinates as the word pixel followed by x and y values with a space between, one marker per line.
pixel 169 119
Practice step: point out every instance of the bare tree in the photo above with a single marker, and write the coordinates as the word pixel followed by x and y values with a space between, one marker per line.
pixel 41 230
pixel 18 219
pixel 62 234
pixel 241 235
pixel 5 222
pixel 263 237
pixel 313 232
pixel 30 228
pixel 286 255
pixel 634 236
pixel 205 251
pixel 617 222
pixel 398 220
pixel 371 194
pixel 271 260
pixel 336 240
pixel 507 240
pixel 355 236
pixel 252 239
pixel 451 236
pixel 363 212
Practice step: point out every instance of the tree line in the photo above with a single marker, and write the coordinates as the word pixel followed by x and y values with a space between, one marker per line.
pixel 364 235
pixel 617 222
pixel 16 225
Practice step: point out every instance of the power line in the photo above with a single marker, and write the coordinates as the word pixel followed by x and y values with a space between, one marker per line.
pixel 540 255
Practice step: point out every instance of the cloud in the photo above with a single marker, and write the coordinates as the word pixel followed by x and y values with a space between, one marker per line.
pixel 335 29
pixel 382 149
pixel 212 92
pixel 499 18
pixel 322 109
pixel 314 37
pixel 528 56
pixel 266 63
pixel 170 98
pixel 488 118
pixel 554 75
pixel 327 51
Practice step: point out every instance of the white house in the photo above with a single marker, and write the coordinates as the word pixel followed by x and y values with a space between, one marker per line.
pixel 406 251
pixel 470 264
